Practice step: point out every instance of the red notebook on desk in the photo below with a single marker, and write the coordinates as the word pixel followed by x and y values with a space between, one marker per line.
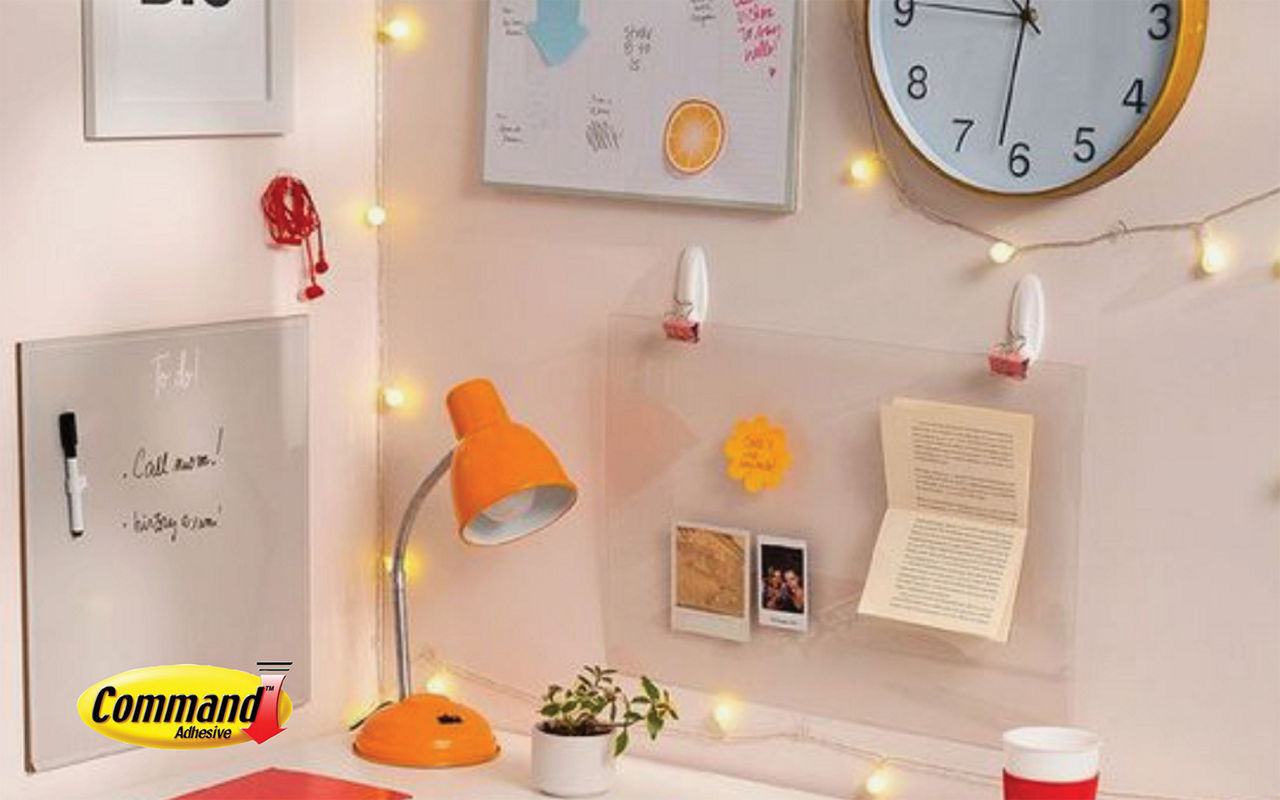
pixel 286 784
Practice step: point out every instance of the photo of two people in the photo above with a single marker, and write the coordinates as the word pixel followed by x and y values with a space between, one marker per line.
pixel 783 583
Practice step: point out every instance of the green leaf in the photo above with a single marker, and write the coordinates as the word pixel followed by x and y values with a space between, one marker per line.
pixel 653 723
pixel 550 710
pixel 621 742
pixel 650 689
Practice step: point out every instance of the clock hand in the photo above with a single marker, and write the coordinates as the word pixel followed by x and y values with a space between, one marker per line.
pixel 1013 75
pixel 969 10
pixel 1027 14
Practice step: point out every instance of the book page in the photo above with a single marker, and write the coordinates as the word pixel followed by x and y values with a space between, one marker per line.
pixel 949 552
pixel 957 460
pixel 945 572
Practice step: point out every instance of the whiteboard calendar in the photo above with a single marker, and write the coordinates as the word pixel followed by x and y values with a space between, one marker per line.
pixel 686 100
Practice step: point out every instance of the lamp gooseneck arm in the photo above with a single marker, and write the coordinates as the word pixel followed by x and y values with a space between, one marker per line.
pixel 397 570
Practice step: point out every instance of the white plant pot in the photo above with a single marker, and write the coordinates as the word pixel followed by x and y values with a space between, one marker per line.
pixel 572 766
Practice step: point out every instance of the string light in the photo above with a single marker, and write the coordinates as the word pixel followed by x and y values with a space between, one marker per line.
pixel 396 30
pixel 877 782
pixel 863 170
pixel 724 714
pixel 1213 256
pixel 439 683
pixel 375 215
pixel 393 397
pixel 1002 252
pixel 930 214
pixel 411 565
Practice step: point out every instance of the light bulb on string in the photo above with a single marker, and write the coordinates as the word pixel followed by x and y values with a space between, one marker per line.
pixel 724 714
pixel 863 169
pixel 439 683
pixel 395 30
pixel 877 782
pixel 1001 252
pixel 1213 255
pixel 393 397
pixel 375 215
pixel 412 565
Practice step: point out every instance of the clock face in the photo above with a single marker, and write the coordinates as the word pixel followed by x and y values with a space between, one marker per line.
pixel 1028 96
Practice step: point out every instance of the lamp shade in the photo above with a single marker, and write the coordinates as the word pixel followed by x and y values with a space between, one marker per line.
pixel 506 481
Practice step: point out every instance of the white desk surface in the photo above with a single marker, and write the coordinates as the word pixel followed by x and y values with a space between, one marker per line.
pixel 506 778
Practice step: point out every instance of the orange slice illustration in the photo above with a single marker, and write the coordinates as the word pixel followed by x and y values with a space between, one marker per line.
pixel 694 136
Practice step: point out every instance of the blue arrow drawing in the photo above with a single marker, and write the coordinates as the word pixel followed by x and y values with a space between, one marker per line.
pixel 557 32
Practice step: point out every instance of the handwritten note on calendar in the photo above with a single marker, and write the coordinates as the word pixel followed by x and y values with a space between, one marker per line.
pixel 684 100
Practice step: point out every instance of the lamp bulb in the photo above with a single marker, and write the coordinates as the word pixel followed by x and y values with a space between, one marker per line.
pixel 396 29
pixel 877 782
pixel 1002 253
pixel 512 507
pixel 863 170
pixel 1213 257
pixel 376 216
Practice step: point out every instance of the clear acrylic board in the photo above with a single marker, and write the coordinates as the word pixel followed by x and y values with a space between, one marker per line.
pixel 670 407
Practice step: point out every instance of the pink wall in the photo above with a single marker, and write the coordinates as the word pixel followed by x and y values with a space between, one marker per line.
pixel 111 236
pixel 1179 615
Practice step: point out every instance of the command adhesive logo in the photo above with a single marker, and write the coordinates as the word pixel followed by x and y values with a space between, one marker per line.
pixel 188 706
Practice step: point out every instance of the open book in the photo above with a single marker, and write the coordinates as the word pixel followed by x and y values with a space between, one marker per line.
pixel 950 547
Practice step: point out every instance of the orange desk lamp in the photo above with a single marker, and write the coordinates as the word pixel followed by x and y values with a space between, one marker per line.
pixel 506 484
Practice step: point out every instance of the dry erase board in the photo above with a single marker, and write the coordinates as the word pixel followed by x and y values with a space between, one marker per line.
pixel 687 100
pixel 193 443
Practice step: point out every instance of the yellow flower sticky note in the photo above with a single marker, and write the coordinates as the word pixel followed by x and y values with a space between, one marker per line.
pixel 757 454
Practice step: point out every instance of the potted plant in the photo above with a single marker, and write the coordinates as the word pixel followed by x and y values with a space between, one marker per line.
pixel 586 725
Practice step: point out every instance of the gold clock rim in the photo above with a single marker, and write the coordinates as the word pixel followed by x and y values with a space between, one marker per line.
pixel 1183 68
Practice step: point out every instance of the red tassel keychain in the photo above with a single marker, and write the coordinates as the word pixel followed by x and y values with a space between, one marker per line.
pixel 291 219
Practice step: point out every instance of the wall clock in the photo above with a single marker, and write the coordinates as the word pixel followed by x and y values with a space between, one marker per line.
pixel 1027 97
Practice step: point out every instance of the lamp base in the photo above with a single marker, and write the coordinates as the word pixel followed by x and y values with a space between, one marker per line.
pixel 426 730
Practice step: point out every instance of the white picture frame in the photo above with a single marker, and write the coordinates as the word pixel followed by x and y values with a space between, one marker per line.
pixel 592 120
pixel 179 68
pixel 712 598
pixel 783 555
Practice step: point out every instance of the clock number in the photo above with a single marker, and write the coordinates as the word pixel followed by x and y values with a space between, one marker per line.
pixel 906 10
pixel 1019 160
pixel 1162 28
pixel 1085 149
pixel 1133 97
pixel 965 126
pixel 916 87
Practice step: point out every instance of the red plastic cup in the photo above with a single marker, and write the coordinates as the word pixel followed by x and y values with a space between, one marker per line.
pixel 1050 764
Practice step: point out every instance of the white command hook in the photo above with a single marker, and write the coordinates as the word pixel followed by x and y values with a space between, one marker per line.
pixel 692 294
pixel 1014 356
pixel 1026 316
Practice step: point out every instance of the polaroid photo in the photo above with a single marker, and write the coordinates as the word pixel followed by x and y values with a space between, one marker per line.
pixel 711 581
pixel 783 589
